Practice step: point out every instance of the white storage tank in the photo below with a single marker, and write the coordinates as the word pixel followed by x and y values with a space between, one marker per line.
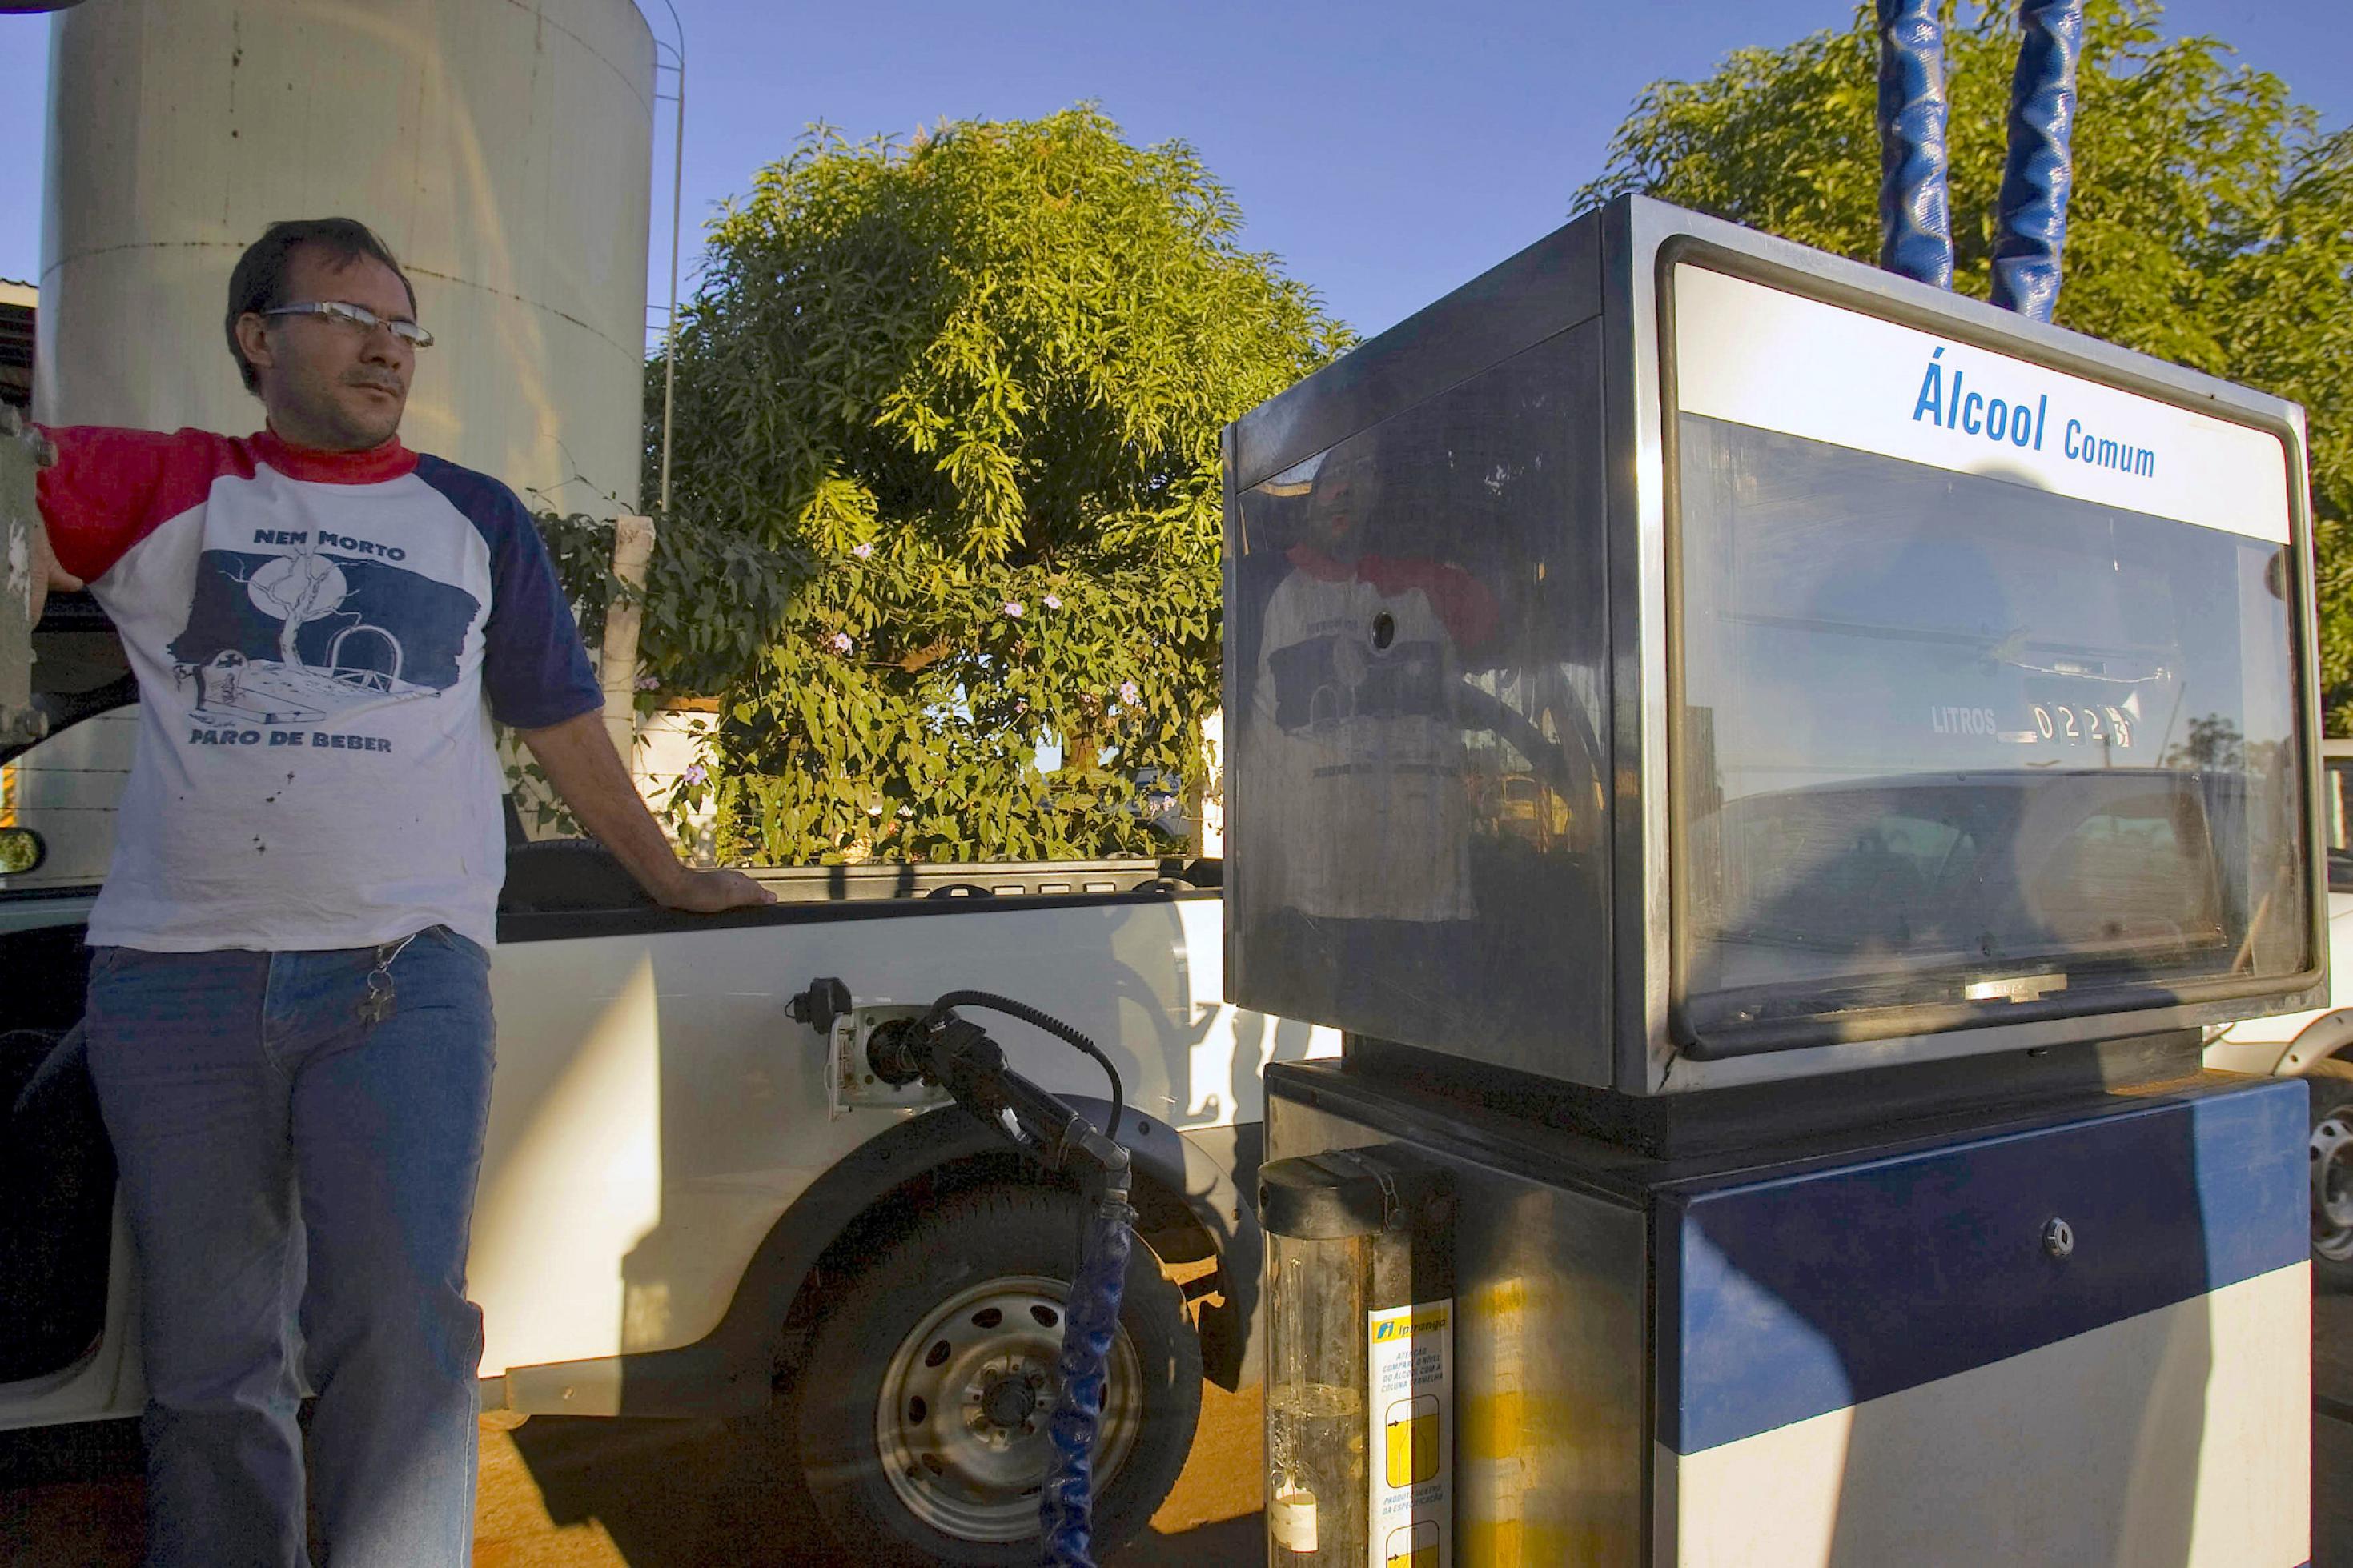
pixel 501 149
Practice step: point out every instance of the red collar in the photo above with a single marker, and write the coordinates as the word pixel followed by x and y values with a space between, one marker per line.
pixel 373 466
pixel 1316 563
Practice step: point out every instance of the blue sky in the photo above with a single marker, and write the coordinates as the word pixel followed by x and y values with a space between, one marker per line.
pixel 1386 150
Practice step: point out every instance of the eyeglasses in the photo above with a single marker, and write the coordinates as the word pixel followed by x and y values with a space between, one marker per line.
pixel 361 319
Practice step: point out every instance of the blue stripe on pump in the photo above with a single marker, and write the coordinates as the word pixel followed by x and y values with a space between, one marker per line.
pixel 1787 1298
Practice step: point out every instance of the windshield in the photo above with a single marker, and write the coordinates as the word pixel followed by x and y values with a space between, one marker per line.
pixel 1945 737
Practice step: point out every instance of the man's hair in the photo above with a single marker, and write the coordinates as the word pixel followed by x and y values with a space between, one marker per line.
pixel 258 283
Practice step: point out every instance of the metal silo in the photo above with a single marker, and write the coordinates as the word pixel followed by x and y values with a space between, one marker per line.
pixel 501 147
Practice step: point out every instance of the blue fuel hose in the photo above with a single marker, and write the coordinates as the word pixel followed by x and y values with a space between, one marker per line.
pixel 1090 1324
pixel 2031 226
pixel 957 1055
pixel 1915 223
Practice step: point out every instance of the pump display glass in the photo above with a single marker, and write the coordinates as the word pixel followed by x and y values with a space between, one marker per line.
pixel 1947 735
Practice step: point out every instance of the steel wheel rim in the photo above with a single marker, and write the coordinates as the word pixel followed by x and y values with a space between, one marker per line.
pixel 2332 1187
pixel 941 1422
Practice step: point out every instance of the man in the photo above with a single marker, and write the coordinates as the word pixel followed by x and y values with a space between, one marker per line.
pixel 289 1019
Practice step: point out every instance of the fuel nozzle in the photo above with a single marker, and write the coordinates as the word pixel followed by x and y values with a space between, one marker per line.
pixel 898 1051
pixel 948 1050
pixel 958 1056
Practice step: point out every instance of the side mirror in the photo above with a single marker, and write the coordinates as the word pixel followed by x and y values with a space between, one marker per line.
pixel 21 850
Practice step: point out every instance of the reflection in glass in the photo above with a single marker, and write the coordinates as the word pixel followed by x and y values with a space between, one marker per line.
pixel 1940 727
pixel 1415 647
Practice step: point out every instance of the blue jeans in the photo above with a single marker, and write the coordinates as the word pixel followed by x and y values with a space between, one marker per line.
pixel 300 1184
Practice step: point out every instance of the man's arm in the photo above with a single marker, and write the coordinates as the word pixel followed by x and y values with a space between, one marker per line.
pixel 587 772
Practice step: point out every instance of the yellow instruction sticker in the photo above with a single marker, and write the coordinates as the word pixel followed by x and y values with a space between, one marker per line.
pixel 1411 1368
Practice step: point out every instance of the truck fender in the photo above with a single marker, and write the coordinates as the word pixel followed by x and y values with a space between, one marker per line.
pixel 2322 1038
pixel 733 1369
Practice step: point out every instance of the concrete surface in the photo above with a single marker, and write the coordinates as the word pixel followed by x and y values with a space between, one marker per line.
pixel 561 1493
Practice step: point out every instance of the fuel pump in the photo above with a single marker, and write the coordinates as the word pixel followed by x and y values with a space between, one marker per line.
pixel 941 1048
pixel 1774 766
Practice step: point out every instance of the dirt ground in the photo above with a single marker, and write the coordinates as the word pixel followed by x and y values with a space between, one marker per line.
pixel 575 1492
pixel 570 1492
pixel 580 1492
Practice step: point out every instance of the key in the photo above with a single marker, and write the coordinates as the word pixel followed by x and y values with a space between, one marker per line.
pixel 377 1006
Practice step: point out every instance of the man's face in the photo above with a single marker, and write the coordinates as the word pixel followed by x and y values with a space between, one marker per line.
pixel 328 384
pixel 1346 491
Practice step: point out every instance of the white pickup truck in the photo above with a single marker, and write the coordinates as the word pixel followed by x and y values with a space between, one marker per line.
pixel 687 1206
pixel 2314 1045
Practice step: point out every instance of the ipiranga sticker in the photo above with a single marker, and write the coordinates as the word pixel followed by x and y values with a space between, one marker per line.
pixel 1411 1443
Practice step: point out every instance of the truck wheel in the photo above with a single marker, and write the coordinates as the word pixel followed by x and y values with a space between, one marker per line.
pixel 2332 1173
pixel 920 1409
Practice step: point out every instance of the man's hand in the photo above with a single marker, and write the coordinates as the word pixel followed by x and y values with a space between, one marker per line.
pixel 585 770
pixel 48 575
pixel 711 892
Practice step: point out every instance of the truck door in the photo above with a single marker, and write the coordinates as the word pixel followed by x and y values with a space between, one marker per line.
pixel 63 1322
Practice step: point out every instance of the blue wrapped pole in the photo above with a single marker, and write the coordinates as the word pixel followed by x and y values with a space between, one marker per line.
pixel 1065 1509
pixel 2031 227
pixel 1915 224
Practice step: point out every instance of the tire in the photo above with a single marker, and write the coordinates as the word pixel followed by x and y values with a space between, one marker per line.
pixel 2332 1173
pixel 56 1212
pixel 915 1437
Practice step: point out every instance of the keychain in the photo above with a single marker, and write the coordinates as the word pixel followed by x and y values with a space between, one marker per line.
pixel 377 1006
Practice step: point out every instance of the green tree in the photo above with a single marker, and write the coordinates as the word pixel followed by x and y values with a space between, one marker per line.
pixel 2212 222
pixel 972 386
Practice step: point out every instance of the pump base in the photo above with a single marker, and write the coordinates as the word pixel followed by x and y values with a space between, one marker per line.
pixel 2072 1328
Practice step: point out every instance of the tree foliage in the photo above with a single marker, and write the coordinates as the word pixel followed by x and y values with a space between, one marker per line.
pixel 2211 223
pixel 971 386
pixel 712 599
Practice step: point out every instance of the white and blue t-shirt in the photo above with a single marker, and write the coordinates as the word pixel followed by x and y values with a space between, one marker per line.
pixel 315 634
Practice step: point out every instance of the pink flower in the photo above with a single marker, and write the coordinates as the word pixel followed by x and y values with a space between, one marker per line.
pixel 1130 693
pixel 1013 608
pixel 1052 603
pixel 696 774
pixel 649 683
pixel 861 550
pixel 842 643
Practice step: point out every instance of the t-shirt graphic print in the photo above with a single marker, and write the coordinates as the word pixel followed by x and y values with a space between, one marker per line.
pixel 313 634
pixel 305 634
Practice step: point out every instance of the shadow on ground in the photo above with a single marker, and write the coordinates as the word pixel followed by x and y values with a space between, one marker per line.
pixel 583 1492
pixel 561 1493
